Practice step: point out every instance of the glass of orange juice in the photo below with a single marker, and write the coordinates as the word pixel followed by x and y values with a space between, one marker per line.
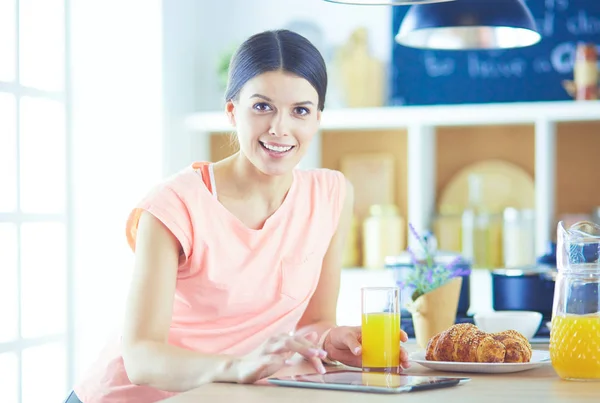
pixel 381 329
pixel 575 330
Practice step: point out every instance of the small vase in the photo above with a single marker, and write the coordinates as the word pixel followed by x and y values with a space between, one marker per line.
pixel 435 311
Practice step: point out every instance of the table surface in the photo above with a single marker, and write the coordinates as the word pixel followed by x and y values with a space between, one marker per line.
pixel 535 385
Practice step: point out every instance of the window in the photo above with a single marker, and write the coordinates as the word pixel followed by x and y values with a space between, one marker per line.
pixel 34 339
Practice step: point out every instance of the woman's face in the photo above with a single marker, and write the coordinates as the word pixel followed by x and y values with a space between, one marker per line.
pixel 276 118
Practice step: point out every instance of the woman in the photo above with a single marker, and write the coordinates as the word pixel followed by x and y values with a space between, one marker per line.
pixel 237 263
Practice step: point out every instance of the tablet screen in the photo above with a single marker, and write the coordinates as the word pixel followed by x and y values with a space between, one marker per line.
pixel 372 379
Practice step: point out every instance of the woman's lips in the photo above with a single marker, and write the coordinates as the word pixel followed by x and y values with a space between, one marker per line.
pixel 275 149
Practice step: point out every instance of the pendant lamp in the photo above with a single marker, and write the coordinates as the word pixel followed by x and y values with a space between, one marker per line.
pixel 468 24
pixel 386 2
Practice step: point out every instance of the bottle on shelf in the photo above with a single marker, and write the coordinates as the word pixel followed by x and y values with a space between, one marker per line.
pixel 481 230
pixel 518 233
pixel 351 257
pixel 383 235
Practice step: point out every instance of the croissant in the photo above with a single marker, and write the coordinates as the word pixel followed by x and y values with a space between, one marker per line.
pixel 466 343
pixel 517 346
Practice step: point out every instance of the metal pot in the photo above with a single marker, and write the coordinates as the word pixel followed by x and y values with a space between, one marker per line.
pixel 524 289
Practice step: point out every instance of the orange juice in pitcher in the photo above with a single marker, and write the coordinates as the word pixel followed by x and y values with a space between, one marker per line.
pixel 575 334
pixel 575 341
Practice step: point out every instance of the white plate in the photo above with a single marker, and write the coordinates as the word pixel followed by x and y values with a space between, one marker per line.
pixel 538 359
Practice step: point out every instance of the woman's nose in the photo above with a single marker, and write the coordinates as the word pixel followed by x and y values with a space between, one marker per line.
pixel 279 126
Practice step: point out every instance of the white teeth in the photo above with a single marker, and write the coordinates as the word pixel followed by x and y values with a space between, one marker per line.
pixel 276 148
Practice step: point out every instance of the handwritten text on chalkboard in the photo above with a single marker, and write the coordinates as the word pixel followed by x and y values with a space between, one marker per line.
pixel 527 74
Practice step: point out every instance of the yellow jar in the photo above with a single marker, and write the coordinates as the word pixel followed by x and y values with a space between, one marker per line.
pixel 383 235
pixel 351 249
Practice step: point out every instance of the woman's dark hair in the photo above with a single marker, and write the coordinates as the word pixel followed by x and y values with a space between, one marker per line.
pixel 277 50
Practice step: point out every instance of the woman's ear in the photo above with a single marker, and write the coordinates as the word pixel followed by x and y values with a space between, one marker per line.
pixel 230 111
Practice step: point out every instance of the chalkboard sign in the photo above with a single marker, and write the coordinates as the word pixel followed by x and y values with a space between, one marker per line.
pixel 535 73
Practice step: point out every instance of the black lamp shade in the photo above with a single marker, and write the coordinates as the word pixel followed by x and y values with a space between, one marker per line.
pixel 469 24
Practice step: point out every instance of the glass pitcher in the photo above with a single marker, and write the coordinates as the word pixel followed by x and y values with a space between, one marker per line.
pixel 575 334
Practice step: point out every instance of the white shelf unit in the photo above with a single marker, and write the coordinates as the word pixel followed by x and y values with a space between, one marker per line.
pixel 420 122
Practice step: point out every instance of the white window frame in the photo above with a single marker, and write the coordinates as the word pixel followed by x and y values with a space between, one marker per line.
pixel 66 217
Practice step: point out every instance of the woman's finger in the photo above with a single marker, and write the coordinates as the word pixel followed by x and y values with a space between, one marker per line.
pixel 353 344
pixel 316 355
pixel 404 358
pixel 276 345
pixel 294 344
pixel 403 355
pixel 312 337
pixel 403 336
pixel 317 364
pixel 305 348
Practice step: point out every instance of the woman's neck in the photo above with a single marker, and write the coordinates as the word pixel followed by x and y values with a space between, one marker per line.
pixel 239 178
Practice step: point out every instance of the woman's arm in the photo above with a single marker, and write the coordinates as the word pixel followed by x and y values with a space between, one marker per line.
pixel 149 359
pixel 320 314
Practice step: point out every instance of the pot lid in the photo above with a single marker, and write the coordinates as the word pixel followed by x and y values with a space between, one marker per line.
pixel 404 259
pixel 524 271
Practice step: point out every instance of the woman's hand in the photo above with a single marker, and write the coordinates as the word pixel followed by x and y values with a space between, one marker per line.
pixel 344 344
pixel 273 355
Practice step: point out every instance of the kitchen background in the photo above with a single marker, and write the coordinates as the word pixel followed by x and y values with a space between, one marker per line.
pixel 98 101
pixel 486 149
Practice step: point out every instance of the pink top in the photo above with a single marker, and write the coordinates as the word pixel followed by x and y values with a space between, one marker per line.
pixel 236 286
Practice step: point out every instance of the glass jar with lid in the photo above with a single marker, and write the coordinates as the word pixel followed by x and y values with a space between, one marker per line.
pixel 575 334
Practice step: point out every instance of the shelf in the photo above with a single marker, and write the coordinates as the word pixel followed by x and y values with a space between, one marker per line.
pixel 436 115
pixel 421 125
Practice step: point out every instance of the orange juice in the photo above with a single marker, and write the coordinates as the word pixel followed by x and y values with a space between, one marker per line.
pixel 575 346
pixel 381 342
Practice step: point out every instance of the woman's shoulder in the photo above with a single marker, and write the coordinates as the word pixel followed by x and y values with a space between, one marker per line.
pixel 327 190
pixel 324 181
pixel 182 181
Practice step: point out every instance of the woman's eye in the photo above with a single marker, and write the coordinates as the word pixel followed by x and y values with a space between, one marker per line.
pixel 302 111
pixel 261 106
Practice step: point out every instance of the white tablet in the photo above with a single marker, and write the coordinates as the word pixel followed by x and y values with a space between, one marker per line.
pixel 375 382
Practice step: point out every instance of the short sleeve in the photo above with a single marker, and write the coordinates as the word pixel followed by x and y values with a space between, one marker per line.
pixel 168 207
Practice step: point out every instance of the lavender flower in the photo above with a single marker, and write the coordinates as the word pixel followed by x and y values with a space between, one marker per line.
pixel 426 275
pixel 415 233
pixel 460 273
pixel 453 263
pixel 413 257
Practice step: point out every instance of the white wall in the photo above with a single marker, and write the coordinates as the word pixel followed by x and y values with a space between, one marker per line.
pixel 117 154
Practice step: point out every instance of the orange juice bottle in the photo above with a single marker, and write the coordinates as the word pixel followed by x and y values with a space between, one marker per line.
pixel 575 346
pixel 381 329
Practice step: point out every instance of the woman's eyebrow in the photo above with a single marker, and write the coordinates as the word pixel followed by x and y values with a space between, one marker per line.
pixel 266 98
pixel 303 103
